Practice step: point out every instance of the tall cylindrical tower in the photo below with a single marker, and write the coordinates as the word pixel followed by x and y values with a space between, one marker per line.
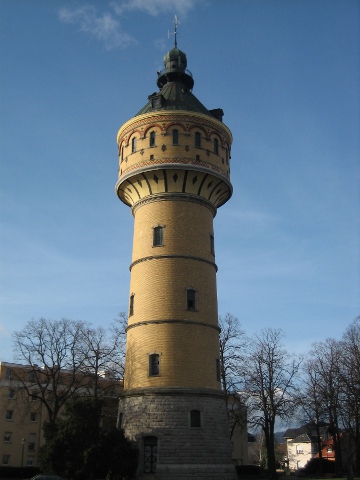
pixel 174 172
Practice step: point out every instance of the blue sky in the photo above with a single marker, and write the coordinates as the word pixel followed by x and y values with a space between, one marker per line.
pixel 286 74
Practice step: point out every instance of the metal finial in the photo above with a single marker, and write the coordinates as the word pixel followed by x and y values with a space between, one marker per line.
pixel 176 23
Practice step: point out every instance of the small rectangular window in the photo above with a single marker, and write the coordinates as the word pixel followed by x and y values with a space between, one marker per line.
pixel 195 419
pixel 11 393
pixel 190 299
pixel 216 146
pixel 152 139
pixel 7 436
pixel 30 461
pixel 158 237
pixel 175 137
pixel 212 245
pixel 9 414
pixel 32 417
pixel 133 145
pixel 31 376
pixel 154 364
pixel 131 307
pixel 6 459
pixel 197 139
pixel 8 374
pixel 31 443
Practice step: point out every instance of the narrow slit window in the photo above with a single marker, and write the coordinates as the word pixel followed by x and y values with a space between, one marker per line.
pixel 131 306
pixel 152 139
pixel 212 245
pixel 216 146
pixel 154 364
pixel 158 237
pixel 218 371
pixel 197 139
pixel 175 137
pixel 190 299
pixel 195 419
pixel 133 145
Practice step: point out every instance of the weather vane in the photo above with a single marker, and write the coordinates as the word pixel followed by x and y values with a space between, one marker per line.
pixel 176 23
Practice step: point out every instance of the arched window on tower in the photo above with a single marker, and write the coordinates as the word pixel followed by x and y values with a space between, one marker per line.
pixel 191 299
pixel 216 146
pixel 197 139
pixel 158 236
pixel 175 137
pixel 133 145
pixel 154 364
pixel 195 419
pixel 131 306
pixel 152 139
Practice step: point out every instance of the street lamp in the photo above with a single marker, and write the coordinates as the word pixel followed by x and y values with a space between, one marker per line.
pixel 23 441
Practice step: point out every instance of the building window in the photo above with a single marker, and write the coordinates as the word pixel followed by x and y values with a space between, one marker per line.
pixel 7 437
pixel 158 236
pixel 32 417
pixel 131 307
pixel 31 376
pixel 175 137
pixel 6 459
pixel 299 449
pixel 8 374
pixel 212 245
pixel 9 414
pixel 11 393
pixel 133 145
pixel 154 364
pixel 227 155
pixel 152 139
pixel 195 419
pixel 32 440
pixel 197 139
pixel 30 461
pixel 190 299
pixel 216 146
pixel 218 370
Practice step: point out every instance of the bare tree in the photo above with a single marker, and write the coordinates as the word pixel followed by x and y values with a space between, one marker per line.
pixel 312 405
pixel 270 386
pixel 66 358
pixel 326 358
pixel 350 393
pixel 103 355
pixel 232 342
pixel 50 350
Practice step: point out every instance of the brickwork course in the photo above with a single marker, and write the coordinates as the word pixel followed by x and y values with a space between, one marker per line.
pixel 174 173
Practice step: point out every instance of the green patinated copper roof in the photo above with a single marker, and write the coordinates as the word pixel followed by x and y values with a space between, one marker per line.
pixel 175 83
pixel 175 96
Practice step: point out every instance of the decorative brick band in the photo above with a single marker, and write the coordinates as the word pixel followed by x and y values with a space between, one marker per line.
pixel 186 322
pixel 174 196
pixel 160 257
pixel 172 162
pixel 178 391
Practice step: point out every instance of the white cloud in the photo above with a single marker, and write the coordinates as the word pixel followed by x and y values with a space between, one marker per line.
pixel 154 7
pixel 103 27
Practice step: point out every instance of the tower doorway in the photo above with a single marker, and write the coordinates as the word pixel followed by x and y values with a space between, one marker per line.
pixel 150 454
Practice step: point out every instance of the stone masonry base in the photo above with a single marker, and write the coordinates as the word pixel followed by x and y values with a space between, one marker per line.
pixel 182 452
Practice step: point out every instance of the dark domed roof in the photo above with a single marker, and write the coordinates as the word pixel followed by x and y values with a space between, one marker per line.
pixel 175 83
